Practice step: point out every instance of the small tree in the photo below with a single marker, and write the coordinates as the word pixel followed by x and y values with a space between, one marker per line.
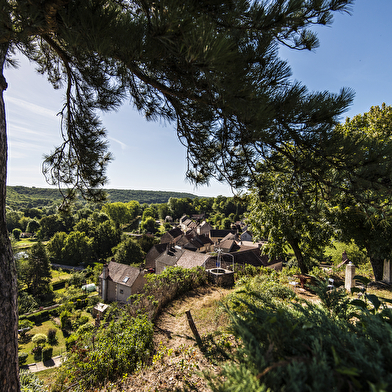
pixel 65 319
pixel 33 226
pixel 129 252
pixel 16 233
pixel 52 335
pixel 40 272
pixel 39 339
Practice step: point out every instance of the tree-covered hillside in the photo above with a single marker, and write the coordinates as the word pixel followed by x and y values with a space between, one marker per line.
pixel 19 197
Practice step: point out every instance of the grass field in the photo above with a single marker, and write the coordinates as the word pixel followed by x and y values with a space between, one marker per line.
pixel 26 345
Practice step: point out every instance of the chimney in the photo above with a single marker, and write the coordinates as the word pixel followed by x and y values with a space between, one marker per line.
pixel 105 274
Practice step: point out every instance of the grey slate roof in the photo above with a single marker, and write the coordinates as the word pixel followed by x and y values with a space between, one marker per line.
pixel 170 256
pixel 122 273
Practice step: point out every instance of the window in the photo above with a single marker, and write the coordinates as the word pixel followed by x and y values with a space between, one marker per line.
pixel 125 280
pixel 121 291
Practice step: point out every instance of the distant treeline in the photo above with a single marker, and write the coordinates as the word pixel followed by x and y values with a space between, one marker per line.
pixel 149 197
pixel 19 197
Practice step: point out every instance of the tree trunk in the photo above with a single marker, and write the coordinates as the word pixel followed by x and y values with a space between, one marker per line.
pixel 378 268
pixel 9 367
pixel 298 255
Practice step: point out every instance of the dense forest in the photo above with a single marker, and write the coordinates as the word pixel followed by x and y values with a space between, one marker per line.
pixel 19 197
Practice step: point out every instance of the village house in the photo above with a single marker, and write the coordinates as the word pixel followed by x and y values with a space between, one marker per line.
pixel 172 236
pixel 217 235
pixel 119 281
pixel 153 254
pixel 176 256
pixel 204 228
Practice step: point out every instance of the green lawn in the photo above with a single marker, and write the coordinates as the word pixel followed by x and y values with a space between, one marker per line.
pixel 26 345
pixel 26 243
pixel 59 275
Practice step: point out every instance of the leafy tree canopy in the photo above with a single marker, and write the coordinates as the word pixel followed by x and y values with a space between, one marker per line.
pixel 363 200
pixel 212 68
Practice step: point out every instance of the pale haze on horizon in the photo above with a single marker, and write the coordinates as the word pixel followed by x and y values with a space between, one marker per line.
pixel 354 52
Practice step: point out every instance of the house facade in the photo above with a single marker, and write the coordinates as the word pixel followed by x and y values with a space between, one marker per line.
pixel 119 281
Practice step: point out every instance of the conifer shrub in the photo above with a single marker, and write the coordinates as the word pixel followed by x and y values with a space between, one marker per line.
pixel 51 334
pixel 336 344
pixel 47 353
pixel 22 357
pixel 30 382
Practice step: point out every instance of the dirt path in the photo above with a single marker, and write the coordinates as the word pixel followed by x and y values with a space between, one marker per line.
pixel 178 360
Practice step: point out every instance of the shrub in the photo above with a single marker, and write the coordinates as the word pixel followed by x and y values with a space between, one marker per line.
pixel 29 382
pixel 292 346
pixel 24 326
pixel 70 341
pixel 39 339
pixel 60 284
pixel 22 357
pixel 65 319
pixel 52 335
pixel 85 328
pixel 164 287
pixel 118 347
pixel 47 353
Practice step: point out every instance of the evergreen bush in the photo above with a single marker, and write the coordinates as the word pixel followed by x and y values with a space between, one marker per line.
pixel 47 353
pixel 52 335
pixel 22 357
pixel 287 346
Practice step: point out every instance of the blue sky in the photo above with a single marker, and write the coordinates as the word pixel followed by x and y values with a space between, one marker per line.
pixel 355 52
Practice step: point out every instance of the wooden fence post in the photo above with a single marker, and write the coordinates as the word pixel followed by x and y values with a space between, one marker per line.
pixel 193 327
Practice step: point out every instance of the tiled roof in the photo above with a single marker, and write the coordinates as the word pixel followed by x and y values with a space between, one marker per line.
pixel 221 233
pixel 153 253
pixel 170 256
pixel 122 273
pixel 191 259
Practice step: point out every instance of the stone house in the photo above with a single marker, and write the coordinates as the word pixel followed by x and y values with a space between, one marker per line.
pixel 217 235
pixel 118 281
pixel 171 236
pixel 153 254
pixel 176 256
pixel 204 228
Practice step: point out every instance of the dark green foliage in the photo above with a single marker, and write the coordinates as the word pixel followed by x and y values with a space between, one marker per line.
pixel 47 353
pixel 332 346
pixel 40 274
pixel 125 195
pixel 16 233
pixel 26 303
pixel 60 284
pixel 38 317
pixel 129 252
pixel 65 319
pixel 106 237
pixel 52 335
pixel 50 225
pixel 70 341
pixel 77 279
pixel 33 226
pixel 115 349
pixel 22 358
pixel 19 197
pixel 164 287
